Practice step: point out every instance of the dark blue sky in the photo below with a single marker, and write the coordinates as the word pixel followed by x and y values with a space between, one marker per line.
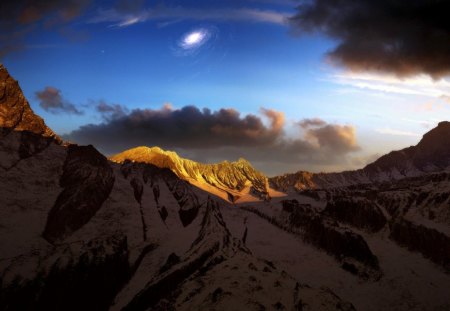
pixel 242 55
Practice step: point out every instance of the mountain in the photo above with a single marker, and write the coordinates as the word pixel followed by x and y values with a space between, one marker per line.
pixel 431 154
pixel 234 181
pixel 81 232
pixel 15 112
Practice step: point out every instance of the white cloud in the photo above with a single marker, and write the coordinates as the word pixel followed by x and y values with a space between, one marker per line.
pixel 120 19
pixel 419 85
pixel 389 131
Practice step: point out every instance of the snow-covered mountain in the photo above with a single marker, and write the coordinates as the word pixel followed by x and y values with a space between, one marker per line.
pixel 81 232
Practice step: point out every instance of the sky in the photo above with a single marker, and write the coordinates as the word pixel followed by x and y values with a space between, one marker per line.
pixel 289 85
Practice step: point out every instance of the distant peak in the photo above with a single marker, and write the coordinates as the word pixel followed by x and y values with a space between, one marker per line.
pixel 144 154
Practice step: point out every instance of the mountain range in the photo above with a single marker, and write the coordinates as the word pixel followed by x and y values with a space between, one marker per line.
pixel 149 230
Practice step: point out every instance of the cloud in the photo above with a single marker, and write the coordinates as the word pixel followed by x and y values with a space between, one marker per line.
pixel 276 119
pixel 19 18
pixel 335 138
pixel 110 111
pixel 188 127
pixel 51 100
pixel 121 18
pixel 305 123
pixel 400 37
pixel 389 131
pixel 206 135
pixel 422 85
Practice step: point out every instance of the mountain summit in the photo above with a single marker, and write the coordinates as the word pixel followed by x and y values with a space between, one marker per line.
pixel 234 181
pixel 15 111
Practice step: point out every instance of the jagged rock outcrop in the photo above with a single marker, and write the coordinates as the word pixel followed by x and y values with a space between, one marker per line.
pixel 358 212
pixel 230 180
pixel 15 112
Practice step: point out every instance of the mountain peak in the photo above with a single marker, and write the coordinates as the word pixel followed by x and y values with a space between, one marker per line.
pixel 15 111
pixel 243 161
pixel 444 124
pixel 230 181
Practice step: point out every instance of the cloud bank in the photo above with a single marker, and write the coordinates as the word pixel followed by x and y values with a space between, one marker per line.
pixel 206 135
pixel 401 37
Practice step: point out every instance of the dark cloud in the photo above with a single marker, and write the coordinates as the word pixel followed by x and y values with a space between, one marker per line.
pixel 206 135
pixel 19 18
pixel 51 100
pixel 400 37
pixel 188 127
pixel 110 111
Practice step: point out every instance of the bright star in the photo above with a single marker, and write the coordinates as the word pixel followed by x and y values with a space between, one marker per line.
pixel 194 38
pixel 192 42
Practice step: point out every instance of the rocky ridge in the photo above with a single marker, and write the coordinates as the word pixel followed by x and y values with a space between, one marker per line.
pixel 15 111
pixel 232 181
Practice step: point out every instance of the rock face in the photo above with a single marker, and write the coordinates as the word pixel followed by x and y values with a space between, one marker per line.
pixel 15 112
pixel 431 154
pixel 230 180
pixel 361 213
pixel 87 180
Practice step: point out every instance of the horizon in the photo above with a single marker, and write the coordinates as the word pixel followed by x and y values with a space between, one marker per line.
pixel 213 81
pixel 110 156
